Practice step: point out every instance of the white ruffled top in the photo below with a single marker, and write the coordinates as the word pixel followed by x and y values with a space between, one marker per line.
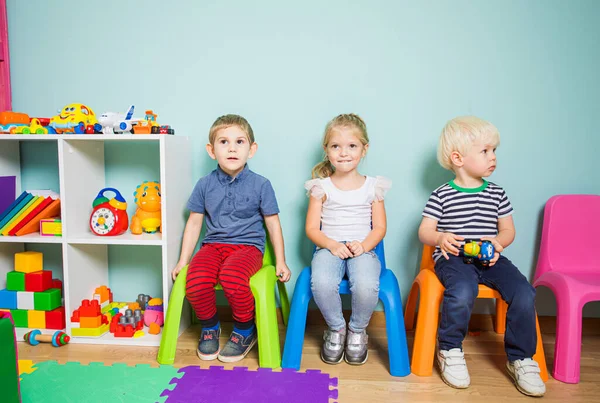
pixel 346 214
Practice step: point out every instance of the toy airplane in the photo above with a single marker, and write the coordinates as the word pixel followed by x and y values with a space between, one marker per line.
pixel 116 122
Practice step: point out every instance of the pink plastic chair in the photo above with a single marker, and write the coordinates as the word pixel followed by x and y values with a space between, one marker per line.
pixel 569 266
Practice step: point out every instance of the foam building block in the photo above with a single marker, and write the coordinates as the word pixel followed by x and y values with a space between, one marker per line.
pixel 47 300
pixel 8 299
pixel 20 317
pixel 15 281
pixel 28 262
pixel 36 319
pixel 25 300
pixel 55 319
pixel 38 281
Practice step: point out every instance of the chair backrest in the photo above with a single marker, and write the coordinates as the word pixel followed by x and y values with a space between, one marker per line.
pixel 569 235
pixel 269 255
pixel 427 262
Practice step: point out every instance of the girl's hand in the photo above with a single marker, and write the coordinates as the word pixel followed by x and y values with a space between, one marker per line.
pixel 283 272
pixel 449 243
pixel 177 269
pixel 340 250
pixel 356 248
pixel 497 247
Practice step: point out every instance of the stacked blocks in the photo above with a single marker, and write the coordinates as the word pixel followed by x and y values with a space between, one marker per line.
pixel 88 320
pixel 33 298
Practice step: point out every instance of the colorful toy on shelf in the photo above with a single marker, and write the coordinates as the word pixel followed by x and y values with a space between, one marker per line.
pixel 116 122
pixel 482 251
pixel 109 217
pixel 154 312
pixel 11 121
pixel 88 320
pixel 147 217
pixel 73 118
pixel 58 339
pixel 142 300
pixel 35 127
pixel 127 324
pixel 31 295
pixel 51 227
pixel 145 126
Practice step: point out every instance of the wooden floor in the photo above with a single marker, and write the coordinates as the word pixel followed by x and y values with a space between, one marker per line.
pixel 372 382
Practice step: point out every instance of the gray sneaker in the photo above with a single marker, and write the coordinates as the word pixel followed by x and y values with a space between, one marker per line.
pixel 356 348
pixel 332 351
pixel 237 347
pixel 208 345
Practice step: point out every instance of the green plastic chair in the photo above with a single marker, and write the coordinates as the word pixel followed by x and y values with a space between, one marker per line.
pixel 262 285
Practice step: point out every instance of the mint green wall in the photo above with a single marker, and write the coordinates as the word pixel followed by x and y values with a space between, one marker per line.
pixel 406 67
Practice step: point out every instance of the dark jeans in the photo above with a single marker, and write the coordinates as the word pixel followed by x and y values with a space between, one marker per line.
pixel 461 282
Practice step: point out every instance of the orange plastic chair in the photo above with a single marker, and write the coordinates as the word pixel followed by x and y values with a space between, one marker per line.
pixel 432 292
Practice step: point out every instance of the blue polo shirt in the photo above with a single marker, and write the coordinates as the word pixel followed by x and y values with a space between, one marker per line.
pixel 233 208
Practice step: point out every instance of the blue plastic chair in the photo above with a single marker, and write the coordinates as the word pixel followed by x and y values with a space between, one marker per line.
pixel 389 294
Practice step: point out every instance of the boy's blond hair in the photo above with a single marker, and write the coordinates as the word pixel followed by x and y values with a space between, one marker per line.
pixel 460 133
pixel 325 169
pixel 225 121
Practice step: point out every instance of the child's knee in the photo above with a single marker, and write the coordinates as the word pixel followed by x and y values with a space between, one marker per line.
pixel 321 282
pixel 365 288
pixel 524 295
pixel 462 294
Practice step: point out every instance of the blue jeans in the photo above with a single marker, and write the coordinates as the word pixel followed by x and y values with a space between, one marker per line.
pixel 327 272
pixel 461 281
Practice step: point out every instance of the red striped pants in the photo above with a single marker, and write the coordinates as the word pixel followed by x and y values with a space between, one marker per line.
pixel 229 265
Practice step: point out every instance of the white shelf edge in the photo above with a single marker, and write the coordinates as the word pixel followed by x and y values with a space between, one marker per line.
pixel 83 137
pixel 125 239
pixel 32 238
pixel 148 340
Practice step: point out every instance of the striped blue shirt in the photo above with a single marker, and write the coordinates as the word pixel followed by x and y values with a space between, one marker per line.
pixel 471 213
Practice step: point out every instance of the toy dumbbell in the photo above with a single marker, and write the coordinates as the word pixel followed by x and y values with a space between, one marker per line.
pixel 58 339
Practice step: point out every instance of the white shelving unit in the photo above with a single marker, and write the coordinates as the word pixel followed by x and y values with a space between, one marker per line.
pixel 81 170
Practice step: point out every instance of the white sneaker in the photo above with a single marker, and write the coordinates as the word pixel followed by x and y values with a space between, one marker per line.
pixel 526 374
pixel 454 368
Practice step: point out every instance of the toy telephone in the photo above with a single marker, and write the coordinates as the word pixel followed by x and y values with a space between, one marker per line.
pixel 109 217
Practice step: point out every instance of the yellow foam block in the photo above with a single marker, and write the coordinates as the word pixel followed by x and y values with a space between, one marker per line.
pixel 28 262
pixel 139 333
pixel 86 332
pixel 36 319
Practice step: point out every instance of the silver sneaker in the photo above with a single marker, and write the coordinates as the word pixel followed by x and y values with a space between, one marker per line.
pixel 356 348
pixel 332 351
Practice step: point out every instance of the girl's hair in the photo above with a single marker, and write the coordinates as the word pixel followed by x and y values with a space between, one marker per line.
pixel 460 133
pixel 324 168
pixel 226 121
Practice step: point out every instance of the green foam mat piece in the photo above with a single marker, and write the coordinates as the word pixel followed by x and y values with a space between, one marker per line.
pixel 96 383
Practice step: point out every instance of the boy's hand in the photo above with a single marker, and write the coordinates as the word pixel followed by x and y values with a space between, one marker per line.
pixel 449 243
pixel 340 250
pixel 283 272
pixel 356 248
pixel 497 247
pixel 176 270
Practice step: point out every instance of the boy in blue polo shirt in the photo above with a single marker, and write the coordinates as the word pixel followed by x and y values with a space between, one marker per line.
pixel 234 202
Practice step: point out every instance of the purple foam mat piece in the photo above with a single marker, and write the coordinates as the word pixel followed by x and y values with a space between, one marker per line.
pixel 216 384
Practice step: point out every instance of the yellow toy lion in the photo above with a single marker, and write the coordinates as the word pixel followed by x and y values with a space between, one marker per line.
pixel 147 217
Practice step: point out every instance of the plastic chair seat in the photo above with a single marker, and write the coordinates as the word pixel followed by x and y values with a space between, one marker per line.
pixel 262 285
pixel 432 293
pixel 389 294
pixel 569 267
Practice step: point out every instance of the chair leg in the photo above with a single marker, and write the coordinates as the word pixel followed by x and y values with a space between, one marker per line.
pixel 501 309
pixel 539 352
pixel 411 307
pixel 426 330
pixel 284 301
pixel 389 294
pixel 262 285
pixel 567 350
pixel 168 341
pixel 294 339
